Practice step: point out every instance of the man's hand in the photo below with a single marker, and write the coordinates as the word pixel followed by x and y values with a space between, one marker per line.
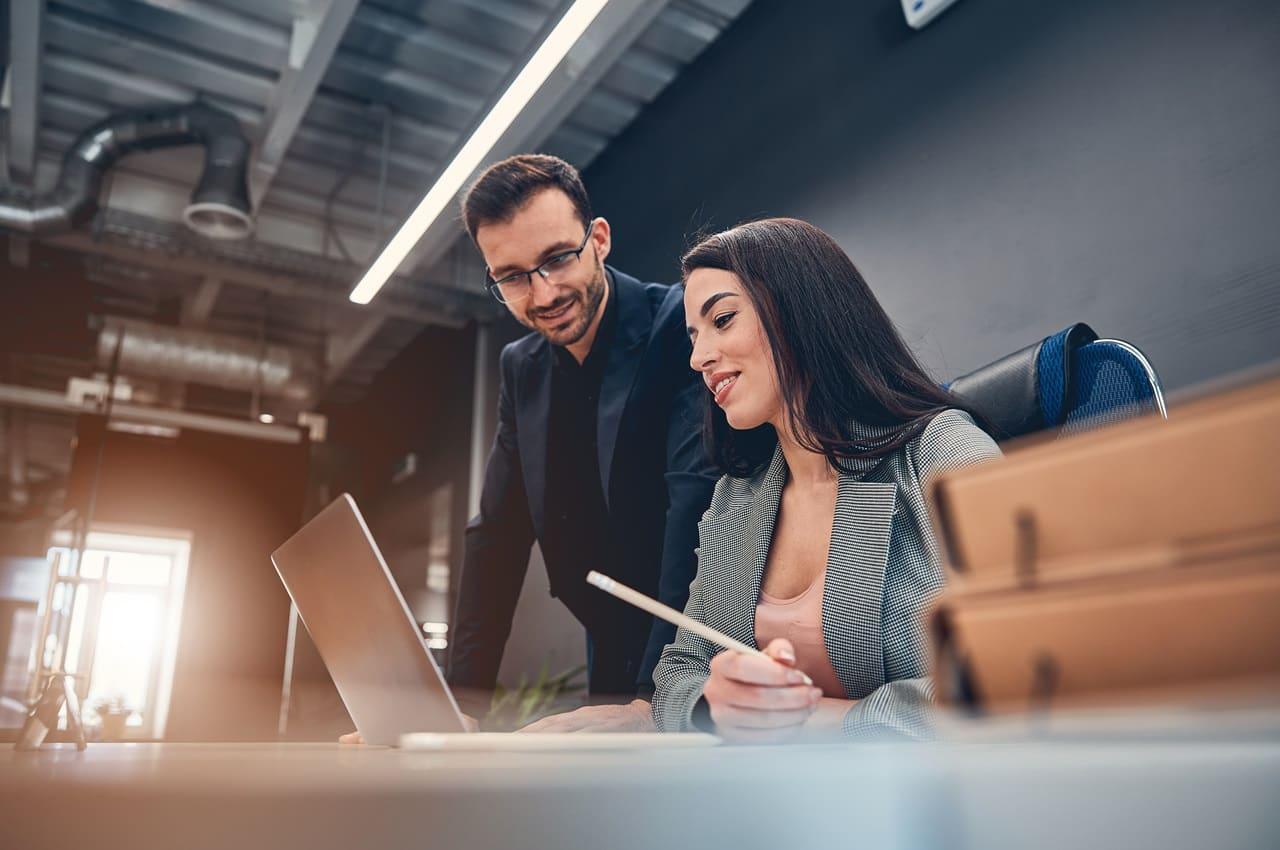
pixel 755 699
pixel 633 717
pixel 469 723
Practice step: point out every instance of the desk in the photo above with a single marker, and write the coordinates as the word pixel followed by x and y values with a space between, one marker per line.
pixel 1068 793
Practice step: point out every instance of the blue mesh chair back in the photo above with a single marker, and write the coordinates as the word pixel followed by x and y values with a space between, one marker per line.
pixel 1070 380
pixel 1110 380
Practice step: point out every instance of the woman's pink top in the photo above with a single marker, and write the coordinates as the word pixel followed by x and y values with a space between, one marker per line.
pixel 799 620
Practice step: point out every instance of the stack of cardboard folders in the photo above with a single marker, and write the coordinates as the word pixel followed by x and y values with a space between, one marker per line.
pixel 1132 565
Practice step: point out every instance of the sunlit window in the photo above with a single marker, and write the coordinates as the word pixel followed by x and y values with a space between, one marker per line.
pixel 122 636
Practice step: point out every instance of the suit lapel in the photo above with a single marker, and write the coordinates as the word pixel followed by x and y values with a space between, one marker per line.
pixel 532 413
pixel 634 324
pixel 853 594
pixel 733 551
pixel 761 522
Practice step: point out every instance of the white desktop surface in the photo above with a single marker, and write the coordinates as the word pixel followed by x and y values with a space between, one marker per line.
pixel 1070 793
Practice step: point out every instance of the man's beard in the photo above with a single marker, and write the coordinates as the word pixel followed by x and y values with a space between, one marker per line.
pixel 590 300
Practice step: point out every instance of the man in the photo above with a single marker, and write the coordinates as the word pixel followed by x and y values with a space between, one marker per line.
pixel 597 454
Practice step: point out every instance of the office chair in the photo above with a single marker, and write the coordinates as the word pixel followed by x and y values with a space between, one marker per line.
pixel 1071 380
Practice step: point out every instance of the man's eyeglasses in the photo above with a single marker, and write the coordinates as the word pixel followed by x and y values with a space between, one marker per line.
pixel 516 286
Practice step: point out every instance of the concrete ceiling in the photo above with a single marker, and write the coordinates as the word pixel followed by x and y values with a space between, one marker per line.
pixel 353 107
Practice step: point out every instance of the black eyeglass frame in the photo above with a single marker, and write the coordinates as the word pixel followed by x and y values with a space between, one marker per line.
pixel 494 286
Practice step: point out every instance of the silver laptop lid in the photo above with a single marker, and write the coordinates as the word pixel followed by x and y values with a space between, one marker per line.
pixel 363 629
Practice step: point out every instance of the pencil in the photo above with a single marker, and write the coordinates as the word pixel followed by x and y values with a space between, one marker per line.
pixel 673 616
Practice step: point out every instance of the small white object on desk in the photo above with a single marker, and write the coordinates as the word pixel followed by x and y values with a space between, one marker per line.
pixel 554 741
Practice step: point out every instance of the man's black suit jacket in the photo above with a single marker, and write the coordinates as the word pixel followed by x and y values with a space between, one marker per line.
pixel 654 473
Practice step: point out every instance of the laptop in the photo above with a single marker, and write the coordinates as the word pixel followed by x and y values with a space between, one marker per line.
pixel 376 655
pixel 362 628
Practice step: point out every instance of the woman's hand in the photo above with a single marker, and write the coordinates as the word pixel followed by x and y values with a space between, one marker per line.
pixel 754 699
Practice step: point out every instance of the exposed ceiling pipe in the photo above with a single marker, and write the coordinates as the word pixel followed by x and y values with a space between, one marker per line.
pixel 201 357
pixel 219 206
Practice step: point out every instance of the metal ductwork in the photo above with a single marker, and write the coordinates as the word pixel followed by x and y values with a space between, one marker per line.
pixel 219 206
pixel 201 357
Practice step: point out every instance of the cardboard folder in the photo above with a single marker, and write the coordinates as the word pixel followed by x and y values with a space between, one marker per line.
pixel 1137 563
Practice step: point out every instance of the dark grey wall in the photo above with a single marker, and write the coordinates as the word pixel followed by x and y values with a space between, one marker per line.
pixel 1014 167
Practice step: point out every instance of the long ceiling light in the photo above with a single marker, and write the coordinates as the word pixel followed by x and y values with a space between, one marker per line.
pixel 517 96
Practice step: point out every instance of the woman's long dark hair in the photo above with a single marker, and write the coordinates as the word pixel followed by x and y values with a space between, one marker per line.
pixel 839 359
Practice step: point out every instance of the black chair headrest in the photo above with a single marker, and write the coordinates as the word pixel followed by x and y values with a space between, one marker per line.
pixel 1025 391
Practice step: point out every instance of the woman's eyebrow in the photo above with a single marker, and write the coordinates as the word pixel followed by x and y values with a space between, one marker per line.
pixel 711 302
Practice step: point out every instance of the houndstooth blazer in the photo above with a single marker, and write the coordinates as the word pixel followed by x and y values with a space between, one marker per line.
pixel 883 570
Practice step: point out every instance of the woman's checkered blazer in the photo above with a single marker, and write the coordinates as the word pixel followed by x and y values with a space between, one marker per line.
pixel 883 571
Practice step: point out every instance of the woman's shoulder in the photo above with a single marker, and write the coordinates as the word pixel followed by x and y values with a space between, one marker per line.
pixel 731 492
pixel 952 439
pixel 950 423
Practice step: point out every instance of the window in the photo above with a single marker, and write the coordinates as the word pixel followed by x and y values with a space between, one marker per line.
pixel 121 638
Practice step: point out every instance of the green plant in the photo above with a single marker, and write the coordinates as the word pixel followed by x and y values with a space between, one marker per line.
pixel 512 708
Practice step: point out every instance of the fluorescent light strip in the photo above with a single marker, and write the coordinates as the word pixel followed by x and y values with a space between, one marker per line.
pixel 517 96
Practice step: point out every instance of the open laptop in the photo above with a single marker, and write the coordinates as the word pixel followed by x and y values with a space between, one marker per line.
pixel 376 655
pixel 363 629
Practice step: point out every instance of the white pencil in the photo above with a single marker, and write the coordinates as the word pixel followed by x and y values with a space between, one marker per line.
pixel 673 616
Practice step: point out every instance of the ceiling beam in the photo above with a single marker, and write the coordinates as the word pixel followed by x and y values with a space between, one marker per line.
pixel 315 37
pixel 278 284
pixel 22 86
pixel 32 398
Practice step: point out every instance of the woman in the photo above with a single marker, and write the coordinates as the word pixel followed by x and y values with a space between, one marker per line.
pixel 817 545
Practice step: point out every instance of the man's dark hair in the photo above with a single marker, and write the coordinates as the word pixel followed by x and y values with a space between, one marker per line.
pixel 839 359
pixel 505 187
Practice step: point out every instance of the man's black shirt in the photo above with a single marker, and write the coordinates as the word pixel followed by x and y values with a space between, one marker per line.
pixel 577 519
pixel 577 538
